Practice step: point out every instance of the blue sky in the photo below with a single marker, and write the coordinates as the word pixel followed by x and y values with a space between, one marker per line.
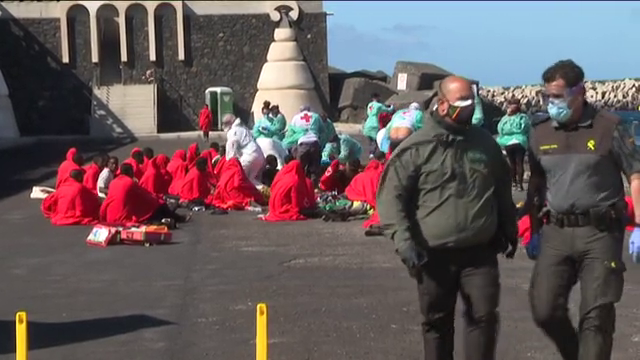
pixel 496 42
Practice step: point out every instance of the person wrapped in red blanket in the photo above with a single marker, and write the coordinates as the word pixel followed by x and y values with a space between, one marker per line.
pixel 93 170
pixel 337 177
pixel 156 178
pixel 73 161
pixel 72 203
pixel 292 194
pixel 148 154
pixel 205 120
pixel 129 203
pixel 196 186
pixel 178 169
pixel 193 152
pixel 136 160
pixel 234 190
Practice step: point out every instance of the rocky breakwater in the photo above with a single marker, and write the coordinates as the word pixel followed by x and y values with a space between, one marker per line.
pixel 618 95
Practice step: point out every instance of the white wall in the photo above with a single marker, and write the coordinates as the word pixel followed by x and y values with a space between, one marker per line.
pixel 50 9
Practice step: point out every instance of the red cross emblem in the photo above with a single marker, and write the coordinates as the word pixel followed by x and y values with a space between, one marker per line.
pixel 371 108
pixel 306 117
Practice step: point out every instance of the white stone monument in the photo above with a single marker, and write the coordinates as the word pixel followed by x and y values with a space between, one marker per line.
pixel 8 126
pixel 285 79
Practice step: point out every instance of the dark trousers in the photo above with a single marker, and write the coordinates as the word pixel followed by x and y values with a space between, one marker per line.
pixel 310 155
pixel 373 146
pixel 474 274
pixel 515 154
pixel 594 258
pixel 165 212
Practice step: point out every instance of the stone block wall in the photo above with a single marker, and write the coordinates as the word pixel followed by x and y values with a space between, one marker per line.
pixel 48 97
pixel 51 98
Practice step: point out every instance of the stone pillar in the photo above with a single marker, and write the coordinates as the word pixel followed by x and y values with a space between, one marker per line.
pixel 285 78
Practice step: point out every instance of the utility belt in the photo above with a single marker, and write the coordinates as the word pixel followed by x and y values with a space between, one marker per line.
pixel 603 219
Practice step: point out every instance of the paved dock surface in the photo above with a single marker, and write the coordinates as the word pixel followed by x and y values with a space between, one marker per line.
pixel 332 293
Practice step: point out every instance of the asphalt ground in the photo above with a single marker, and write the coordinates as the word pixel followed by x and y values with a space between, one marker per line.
pixel 331 292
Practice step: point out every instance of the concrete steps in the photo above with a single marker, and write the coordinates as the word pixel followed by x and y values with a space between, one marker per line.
pixel 124 110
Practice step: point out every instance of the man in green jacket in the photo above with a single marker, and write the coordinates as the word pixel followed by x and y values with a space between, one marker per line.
pixel 445 201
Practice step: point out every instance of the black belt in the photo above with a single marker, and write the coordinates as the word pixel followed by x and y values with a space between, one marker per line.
pixel 600 218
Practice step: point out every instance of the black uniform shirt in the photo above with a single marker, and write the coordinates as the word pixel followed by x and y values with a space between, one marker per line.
pixel 582 163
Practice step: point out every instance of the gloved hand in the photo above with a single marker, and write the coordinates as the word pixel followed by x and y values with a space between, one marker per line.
pixel 533 246
pixel 512 247
pixel 325 162
pixel 412 258
pixel 264 129
pixel 634 245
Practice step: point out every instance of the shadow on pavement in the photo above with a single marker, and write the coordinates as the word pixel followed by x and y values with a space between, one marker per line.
pixel 47 335
pixel 29 165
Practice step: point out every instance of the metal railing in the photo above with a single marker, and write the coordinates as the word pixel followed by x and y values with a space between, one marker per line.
pixel 174 92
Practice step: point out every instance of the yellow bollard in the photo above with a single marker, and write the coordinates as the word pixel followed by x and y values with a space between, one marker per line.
pixel 261 332
pixel 21 336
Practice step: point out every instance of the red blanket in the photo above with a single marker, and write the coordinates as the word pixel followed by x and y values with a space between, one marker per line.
pixel 196 186
pixel 138 171
pixel 178 169
pixel 67 165
pixel 234 190
pixel 291 192
pixel 91 174
pixel 71 204
pixel 157 179
pixel 192 154
pixel 127 202
pixel 205 119
pixel 333 179
pixel 364 187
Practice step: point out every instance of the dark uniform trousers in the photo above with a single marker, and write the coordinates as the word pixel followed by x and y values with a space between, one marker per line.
pixel 594 258
pixel 473 273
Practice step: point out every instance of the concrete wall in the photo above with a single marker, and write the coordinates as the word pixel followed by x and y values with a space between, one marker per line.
pixel 54 98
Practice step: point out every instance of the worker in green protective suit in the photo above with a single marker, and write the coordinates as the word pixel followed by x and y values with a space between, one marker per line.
pixel 303 123
pixel 343 147
pixel 478 114
pixel 328 130
pixel 272 124
pixel 371 125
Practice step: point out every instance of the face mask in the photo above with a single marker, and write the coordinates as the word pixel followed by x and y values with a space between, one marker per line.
pixel 559 111
pixel 461 112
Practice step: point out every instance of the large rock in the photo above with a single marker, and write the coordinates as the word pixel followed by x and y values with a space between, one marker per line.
pixel 420 76
pixel 403 99
pixel 356 94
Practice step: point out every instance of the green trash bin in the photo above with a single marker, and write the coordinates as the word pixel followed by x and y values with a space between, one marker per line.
pixel 220 102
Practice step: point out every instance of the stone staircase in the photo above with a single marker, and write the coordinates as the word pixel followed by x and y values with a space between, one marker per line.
pixel 124 111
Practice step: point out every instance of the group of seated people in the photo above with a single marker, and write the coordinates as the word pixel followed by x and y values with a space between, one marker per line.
pixel 147 188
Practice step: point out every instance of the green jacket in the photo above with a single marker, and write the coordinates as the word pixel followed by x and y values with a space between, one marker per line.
pixel 444 187
pixel 478 114
pixel 327 133
pixel 371 125
pixel 270 127
pixel 514 129
pixel 299 127
pixel 349 149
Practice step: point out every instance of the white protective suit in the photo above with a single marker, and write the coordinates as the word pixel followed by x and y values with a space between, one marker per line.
pixel 272 147
pixel 241 145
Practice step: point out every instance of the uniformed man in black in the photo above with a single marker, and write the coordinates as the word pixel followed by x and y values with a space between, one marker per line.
pixel 576 158
pixel 445 200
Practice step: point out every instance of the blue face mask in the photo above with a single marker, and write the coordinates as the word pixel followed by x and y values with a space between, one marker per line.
pixel 559 111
